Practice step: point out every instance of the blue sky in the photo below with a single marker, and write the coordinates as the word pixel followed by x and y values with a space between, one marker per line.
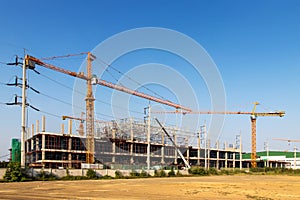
pixel 255 45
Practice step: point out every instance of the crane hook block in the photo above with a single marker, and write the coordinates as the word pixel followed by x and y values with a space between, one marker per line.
pixel 94 79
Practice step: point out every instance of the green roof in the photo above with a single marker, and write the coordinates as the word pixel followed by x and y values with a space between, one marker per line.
pixel 272 153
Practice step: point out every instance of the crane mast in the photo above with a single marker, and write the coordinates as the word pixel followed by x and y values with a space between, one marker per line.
pixel 89 113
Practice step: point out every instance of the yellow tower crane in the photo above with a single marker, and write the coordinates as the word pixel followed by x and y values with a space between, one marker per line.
pixel 91 80
pixel 253 115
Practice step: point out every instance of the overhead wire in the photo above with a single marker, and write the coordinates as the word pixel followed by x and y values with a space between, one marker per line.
pixel 4 156
pixel 106 69
pixel 83 94
pixel 51 114
pixel 129 78
pixel 79 92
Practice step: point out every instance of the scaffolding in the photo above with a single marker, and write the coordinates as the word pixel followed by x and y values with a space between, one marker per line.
pixel 124 143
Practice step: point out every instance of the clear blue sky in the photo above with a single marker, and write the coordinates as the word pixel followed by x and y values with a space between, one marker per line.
pixel 255 45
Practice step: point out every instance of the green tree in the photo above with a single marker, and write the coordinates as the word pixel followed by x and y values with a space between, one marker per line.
pixel 14 172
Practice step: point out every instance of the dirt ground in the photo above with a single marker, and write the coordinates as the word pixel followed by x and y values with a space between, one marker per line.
pixel 212 187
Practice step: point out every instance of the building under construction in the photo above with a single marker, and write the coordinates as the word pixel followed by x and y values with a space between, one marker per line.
pixel 124 143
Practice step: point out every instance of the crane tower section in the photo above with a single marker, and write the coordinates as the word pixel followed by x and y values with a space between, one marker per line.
pixel 90 112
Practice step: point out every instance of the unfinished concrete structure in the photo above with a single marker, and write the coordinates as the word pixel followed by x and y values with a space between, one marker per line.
pixel 124 143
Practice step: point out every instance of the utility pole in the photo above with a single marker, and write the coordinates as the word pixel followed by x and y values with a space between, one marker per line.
pixel 267 149
pixel 203 133
pixel 239 146
pixel 205 146
pixel 295 155
pixel 199 148
pixel 23 125
pixel 26 64
pixel 241 156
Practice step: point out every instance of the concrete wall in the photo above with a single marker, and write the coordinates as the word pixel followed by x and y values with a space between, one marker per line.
pixel 82 172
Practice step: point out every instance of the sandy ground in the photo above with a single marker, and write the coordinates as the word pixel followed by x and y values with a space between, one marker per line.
pixel 212 187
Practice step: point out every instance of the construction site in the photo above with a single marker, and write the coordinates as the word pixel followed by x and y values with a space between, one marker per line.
pixel 123 144
pixel 150 100
pixel 129 143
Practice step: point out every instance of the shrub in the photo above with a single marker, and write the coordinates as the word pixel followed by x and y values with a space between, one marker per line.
pixel 118 174
pixel 213 171
pixel 74 178
pixel 91 174
pixel 14 172
pixel 106 177
pixel 228 171
pixel 171 173
pixel 134 173
pixel 198 171
pixel 162 173
pixel 144 174
pixel 159 173
pixel 256 169
pixel 46 176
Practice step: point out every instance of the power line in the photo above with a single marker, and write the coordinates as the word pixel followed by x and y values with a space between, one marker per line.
pixel 51 114
pixel 4 156
pixel 83 94
pixel 128 77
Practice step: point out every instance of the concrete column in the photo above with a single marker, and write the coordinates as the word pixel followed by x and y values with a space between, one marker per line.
pixel 62 128
pixel 226 159
pixel 37 126
pixel 187 151
pixel 131 139
pixel 36 147
pixel 43 124
pixel 218 156
pixel 113 145
pixel 70 127
pixel 162 147
pixel 198 149
pixel 208 154
pixel 70 154
pixel 233 165
pixel 27 160
pixel 28 145
pixel 241 156
pixel 27 134
pixel 175 152
pixel 43 146
pixel 32 130
pixel 31 140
